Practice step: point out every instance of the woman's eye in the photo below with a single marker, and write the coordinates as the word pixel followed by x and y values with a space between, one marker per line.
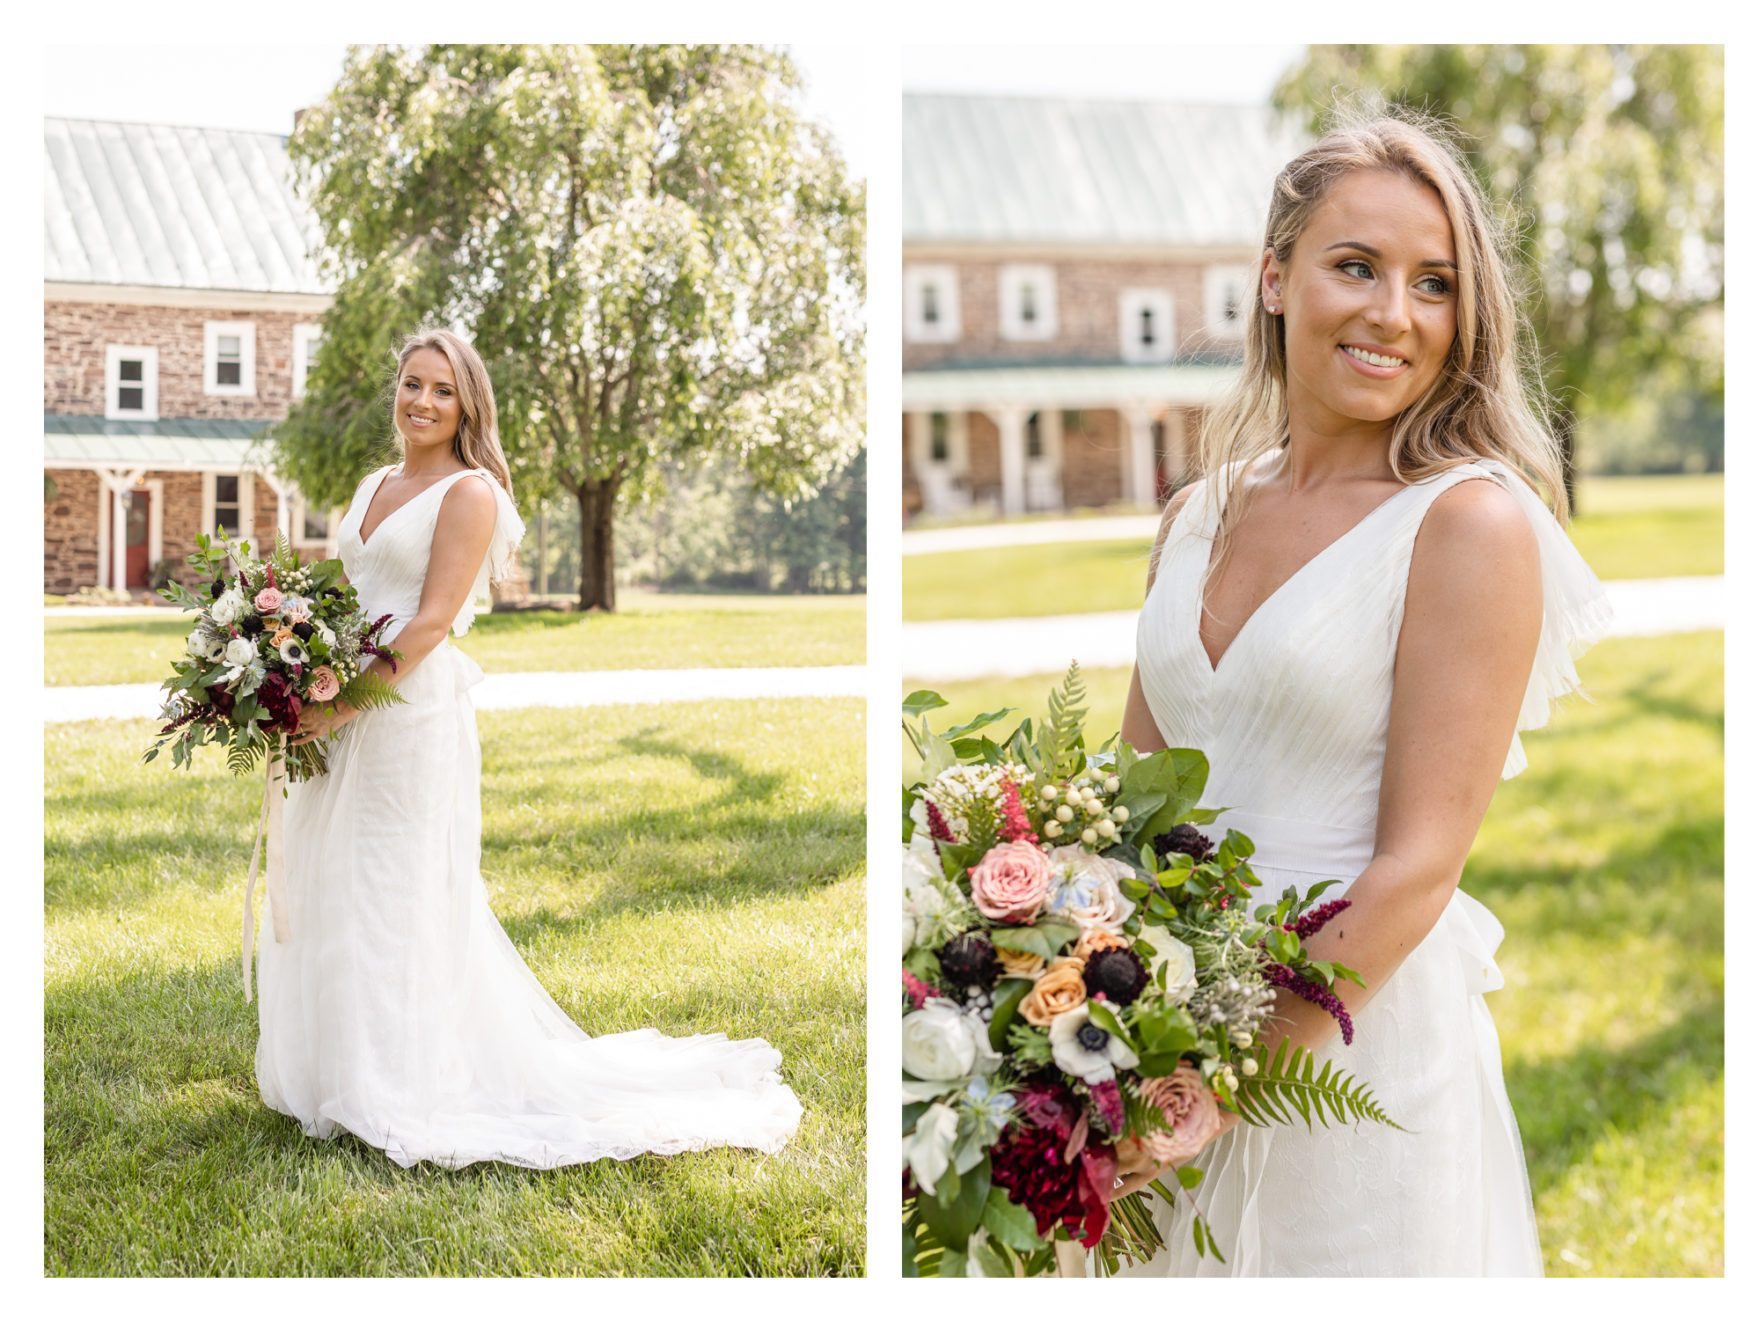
pixel 1434 284
pixel 1356 268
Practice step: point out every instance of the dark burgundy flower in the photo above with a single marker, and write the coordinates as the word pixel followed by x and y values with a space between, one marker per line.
pixel 937 823
pixel 221 699
pixel 277 696
pixel 1109 1105
pixel 1118 974
pixel 1028 1165
pixel 1015 825
pixel 1050 1106
pixel 218 588
pixel 970 960
pixel 367 648
pixel 1293 981
pixel 1184 839
pixel 303 631
pixel 251 625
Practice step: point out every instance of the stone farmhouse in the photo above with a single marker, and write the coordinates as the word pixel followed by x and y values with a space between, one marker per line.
pixel 1073 277
pixel 180 317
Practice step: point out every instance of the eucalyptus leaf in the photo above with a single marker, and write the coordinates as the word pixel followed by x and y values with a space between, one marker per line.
pixel 1010 1224
pixel 1044 939
pixel 922 701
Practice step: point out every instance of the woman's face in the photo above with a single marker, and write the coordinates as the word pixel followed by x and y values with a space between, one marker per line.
pixel 428 410
pixel 1369 298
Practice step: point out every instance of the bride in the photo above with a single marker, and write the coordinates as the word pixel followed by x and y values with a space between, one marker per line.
pixel 1352 613
pixel 397 1009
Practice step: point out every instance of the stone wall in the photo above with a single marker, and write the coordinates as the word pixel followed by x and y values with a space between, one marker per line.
pixel 70 530
pixel 75 335
pixel 1093 458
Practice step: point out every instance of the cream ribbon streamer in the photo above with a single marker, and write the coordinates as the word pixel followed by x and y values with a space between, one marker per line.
pixel 268 825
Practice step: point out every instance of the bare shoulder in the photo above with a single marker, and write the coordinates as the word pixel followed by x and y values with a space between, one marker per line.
pixel 1175 503
pixel 469 502
pixel 1475 549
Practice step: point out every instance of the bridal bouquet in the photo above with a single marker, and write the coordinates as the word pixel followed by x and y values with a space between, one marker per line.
pixel 270 636
pixel 1086 982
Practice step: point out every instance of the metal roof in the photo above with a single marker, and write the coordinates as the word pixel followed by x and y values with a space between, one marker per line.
pixel 181 208
pixel 187 443
pixel 1013 169
pixel 1067 386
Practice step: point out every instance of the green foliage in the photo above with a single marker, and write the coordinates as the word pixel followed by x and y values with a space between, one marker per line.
pixel 655 255
pixel 368 690
pixel 1287 1086
pixel 1060 736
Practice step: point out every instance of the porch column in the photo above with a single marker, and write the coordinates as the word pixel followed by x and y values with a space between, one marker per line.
pixel 117 483
pixel 1011 433
pixel 1139 454
pixel 283 512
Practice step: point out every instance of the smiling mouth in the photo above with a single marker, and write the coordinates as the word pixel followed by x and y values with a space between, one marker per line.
pixel 420 421
pixel 1373 359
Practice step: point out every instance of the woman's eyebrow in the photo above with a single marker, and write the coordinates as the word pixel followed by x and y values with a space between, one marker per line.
pixel 1360 246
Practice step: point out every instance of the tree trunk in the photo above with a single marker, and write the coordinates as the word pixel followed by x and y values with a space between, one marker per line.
pixel 598 501
pixel 1564 430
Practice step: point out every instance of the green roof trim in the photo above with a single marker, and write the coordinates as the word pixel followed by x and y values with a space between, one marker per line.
pixel 172 442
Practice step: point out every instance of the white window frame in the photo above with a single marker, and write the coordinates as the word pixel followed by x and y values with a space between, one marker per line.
pixel 297 525
pixel 247 359
pixel 247 503
pixel 945 329
pixel 1132 303
pixel 1012 280
pixel 305 338
pixel 114 355
pixel 1217 280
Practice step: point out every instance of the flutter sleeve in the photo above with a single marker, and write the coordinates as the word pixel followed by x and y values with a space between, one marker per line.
pixel 502 560
pixel 1575 615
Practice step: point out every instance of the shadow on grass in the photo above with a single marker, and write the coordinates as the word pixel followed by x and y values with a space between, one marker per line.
pixel 1566 1106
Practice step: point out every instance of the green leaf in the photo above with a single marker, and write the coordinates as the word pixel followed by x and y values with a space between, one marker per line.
pixel 1189 1176
pixel 921 702
pixel 1103 1016
pixel 912 1112
pixel 1005 1002
pixel 1178 774
pixel 1044 939
pixel 1010 1224
pixel 953 1223
pixel 910 1249
pixel 976 723
pixel 953 1264
pixel 993 1262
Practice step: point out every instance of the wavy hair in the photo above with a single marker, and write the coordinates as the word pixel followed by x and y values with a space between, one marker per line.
pixel 478 442
pixel 1486 402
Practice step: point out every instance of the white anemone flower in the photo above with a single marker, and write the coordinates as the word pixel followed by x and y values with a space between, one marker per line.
pixel 1084 1049
pixel 294 652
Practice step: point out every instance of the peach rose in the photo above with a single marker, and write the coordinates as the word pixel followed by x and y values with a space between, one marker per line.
pixel 1094 939
pixel 1192 1115
pixel 1016 963
pixel 268 600
pixel 1011 882
pixel 281 635
pixel 324 684
pixel 1057 991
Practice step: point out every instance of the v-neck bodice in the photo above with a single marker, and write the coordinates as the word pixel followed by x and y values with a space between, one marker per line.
pixel 1294 714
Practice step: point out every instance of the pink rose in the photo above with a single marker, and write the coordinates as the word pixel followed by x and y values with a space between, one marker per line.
pixel 1193 1118
pixel 268 600
pixel 324 685
pixel 1011 882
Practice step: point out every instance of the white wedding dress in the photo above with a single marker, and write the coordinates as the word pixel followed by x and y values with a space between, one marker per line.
pixel 1294 721
pixel 398 1009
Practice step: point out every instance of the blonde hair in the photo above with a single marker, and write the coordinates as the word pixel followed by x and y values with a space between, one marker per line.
pixel 478 442
pixel 1486 402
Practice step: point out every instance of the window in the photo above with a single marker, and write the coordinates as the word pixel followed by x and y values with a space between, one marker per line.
pixel 229 358
pixel 1145 326
pixel 1228 291
pixel 1027 296
pixel 226 503
pixel 314 525
pixel 939 449
pixel 931 305
pixel 306 339
pixel 131 383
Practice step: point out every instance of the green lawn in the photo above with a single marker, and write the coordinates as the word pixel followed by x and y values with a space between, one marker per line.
pixel 685 867
pixel 1604 861
pixel 647 632
pixel 1627 527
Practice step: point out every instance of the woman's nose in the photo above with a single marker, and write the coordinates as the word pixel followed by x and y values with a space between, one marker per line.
pixel 1390 309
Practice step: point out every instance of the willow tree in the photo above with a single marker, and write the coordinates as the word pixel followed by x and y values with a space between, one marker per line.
pixel 1611 159
pixel 652 249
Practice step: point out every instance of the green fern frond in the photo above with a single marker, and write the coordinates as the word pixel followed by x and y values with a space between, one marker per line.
pixel 1288 1087
pixel 1065 723
pixel 244 755
pixel 368 691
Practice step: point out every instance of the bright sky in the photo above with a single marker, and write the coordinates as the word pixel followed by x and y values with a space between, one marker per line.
pixel 235 87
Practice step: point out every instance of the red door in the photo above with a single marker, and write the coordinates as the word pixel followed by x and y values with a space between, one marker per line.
pixel 139 511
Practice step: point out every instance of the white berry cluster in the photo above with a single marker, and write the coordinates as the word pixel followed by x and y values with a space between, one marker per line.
pixel 1083 807
pixel 969 797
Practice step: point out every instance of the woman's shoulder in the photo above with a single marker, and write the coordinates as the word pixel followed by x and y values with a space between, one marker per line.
pixel 1475 526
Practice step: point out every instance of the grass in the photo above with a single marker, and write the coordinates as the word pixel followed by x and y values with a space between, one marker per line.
pixel 1627 527
pixel 1604 861
pixel 648 632
pixel 684 867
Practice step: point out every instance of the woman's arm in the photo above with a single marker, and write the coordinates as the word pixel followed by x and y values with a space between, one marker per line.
pixel 461 540
pixel 1138 727
pixel 1466 648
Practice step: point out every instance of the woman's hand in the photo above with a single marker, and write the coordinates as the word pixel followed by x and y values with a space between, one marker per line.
pixel 1137 1168
pixel 321 719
